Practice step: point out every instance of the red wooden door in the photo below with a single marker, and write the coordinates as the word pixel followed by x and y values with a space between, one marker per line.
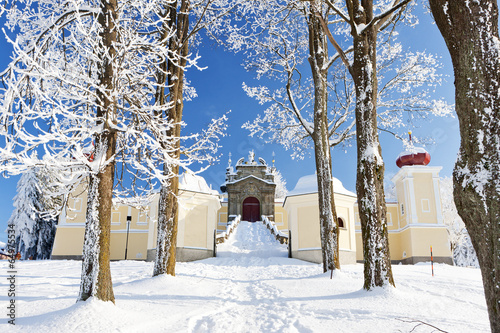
pixel 251 209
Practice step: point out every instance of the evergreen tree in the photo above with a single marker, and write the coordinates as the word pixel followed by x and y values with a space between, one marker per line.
pixel 52 201
pixel 26 214
pixel 46 236
pixel 35 213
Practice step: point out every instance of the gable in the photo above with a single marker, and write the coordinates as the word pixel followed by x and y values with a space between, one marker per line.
pixel 250 179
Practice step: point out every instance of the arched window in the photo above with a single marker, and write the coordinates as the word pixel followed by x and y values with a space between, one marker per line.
pixel 341 223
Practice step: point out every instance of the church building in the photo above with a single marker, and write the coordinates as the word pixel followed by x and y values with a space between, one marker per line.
pixel 415 221
pixel 250 189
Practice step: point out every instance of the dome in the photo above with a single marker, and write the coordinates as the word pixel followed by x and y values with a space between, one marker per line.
pixel 195 183
pixel 309 184
pixel 417 156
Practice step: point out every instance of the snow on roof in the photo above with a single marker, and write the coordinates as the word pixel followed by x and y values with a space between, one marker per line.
pixel 195 183
pixel 2 245
pixel 412 151
pixel 249 176
pixel 309 184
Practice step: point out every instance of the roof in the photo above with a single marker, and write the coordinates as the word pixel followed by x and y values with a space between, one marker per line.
pixel 195 183
pixel 309 184
pixel 247 177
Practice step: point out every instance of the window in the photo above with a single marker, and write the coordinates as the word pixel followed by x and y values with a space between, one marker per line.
pixel 142 217
pixel 77 205
pixel 115 218
pixel 426 207
pixel 341 223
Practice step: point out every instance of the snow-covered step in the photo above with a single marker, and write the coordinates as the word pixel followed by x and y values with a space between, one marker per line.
pixel 251 239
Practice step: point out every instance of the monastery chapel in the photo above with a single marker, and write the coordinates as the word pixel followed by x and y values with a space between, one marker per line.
pixel 415 219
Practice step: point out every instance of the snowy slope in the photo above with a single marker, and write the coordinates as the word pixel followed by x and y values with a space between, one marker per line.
pixel 250 287
pixel 251 240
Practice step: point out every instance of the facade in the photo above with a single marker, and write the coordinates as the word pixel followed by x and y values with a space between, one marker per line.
pixel 417 215
pixel 301 206
pixel 134 229
pixel 250 189
pixel 414 218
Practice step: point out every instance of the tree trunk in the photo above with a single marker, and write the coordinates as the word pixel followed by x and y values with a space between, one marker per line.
pixel 370 168
pixel 96 273
pixel 168 207
pixel 318 50
pixel 470 30
pixel 166 227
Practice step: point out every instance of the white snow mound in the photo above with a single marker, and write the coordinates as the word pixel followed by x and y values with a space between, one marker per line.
pixel 195 183
pixel 309 184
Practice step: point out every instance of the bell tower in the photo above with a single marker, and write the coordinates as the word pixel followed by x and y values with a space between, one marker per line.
pixel 419 221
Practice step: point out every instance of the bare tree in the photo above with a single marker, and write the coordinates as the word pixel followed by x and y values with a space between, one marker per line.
pixel 316 108
pixel 365 19
pixel 470 30
pixel 172 76
pixel 83 73
pixel 277 38
pixel 177 35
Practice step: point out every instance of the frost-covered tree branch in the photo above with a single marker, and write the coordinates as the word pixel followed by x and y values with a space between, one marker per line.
pixel 82 91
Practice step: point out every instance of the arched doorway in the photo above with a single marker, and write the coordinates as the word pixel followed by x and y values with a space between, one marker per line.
pixel 251 209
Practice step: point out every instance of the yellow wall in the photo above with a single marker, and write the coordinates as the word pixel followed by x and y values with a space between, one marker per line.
pixel 136 247
pixel 71 229
pixel 195 220
pixel 308 228
pixel 303 220
pixel 198 218
pixel 222 217
pixel 402 200
pixel 395 246
pixel 359 246
pixel 414 186
pixel 280 216
pixel 68 241
pixel 415 241
pixel 435 237
pixel 345 211
pixel 76 208
pixel 201 213
pixel 425 198
pixel 392 216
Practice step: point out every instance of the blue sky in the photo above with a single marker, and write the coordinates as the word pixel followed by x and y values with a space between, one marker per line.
pixel 219 90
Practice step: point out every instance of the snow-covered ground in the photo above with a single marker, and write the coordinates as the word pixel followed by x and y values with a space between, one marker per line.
pixel 250 287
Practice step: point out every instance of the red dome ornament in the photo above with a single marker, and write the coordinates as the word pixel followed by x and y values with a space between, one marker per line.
pixel 416 156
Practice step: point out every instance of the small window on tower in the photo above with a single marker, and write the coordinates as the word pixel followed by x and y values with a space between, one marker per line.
pixel 77 205
pixel 426 207
pixel 341 223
